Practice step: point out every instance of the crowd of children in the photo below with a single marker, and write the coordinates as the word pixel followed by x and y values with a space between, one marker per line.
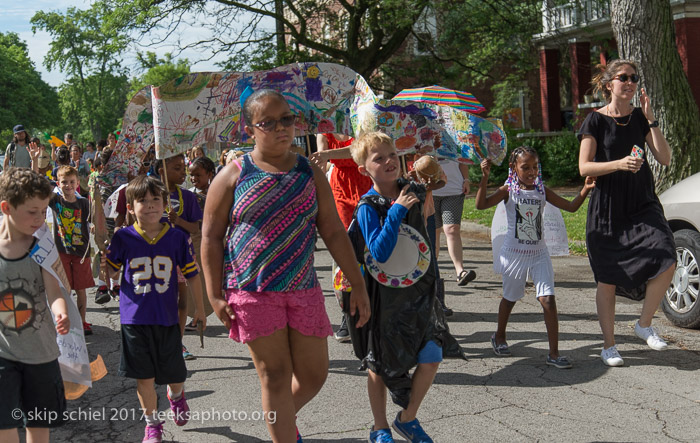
pixel 240 243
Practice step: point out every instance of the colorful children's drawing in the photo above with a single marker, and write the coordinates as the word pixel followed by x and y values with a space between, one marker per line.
pixel 200 108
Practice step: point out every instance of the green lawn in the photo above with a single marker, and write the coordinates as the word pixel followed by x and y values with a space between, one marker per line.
pixel 575 223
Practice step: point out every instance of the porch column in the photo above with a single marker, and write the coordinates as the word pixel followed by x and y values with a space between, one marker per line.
pixel 580 71
pixel 688 43
pixel 549 89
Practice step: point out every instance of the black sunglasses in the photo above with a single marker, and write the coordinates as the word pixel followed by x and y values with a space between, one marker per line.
pixel 624 77
pixel 270 125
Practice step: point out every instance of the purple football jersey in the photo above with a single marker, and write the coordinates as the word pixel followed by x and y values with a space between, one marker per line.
pixel 148 293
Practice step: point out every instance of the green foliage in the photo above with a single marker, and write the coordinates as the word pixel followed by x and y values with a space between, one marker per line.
pixel 104 116
pixel 26 99
pixel 559 158
pixel 158 71
pixel 490 41
pixel 87 47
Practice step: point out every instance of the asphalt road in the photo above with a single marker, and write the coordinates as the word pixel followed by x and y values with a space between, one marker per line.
pixel 654 397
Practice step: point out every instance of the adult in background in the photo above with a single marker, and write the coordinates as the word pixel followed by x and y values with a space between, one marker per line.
pixel 17 153
pixel 449 203
pixel 77 161
pixel 630 244
pixel 347 184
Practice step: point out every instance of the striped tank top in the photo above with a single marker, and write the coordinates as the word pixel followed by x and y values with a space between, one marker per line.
pixel 270 242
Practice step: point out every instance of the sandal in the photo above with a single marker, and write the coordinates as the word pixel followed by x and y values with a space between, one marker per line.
pixel 501 350
pixel 465 277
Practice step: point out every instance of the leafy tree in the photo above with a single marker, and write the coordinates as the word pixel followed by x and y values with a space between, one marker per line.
pixel 477 42
pixel 24 97
pixel 361 35
pixel 87 47
pixel 644 33
pixel 106 114
pixel 157 71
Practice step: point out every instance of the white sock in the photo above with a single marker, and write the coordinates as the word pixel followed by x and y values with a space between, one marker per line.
pixel 174 395
pixel 152 420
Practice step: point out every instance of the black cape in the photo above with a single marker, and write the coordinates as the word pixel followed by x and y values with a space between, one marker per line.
pixel 403 320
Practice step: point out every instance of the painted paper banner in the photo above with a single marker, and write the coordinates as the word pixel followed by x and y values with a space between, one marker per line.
pixel 134 139
pixel 202 108
pixel 74 360
pixel 555 236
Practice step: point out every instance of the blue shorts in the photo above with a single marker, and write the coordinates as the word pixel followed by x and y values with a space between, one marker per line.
pixel 431 353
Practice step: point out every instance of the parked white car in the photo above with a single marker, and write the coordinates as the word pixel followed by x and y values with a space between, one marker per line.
pixel 681 204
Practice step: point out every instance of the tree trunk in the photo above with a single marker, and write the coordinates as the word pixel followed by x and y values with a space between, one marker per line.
pixel 279 30
pixel 645 33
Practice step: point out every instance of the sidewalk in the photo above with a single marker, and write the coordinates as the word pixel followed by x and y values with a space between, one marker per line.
pixel 654 397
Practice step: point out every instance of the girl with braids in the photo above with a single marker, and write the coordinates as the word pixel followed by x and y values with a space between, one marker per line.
pixel 202 171
pixel 630 245
pixel 524 251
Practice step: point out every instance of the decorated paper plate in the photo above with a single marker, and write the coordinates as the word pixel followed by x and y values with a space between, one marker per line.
pixel 407 264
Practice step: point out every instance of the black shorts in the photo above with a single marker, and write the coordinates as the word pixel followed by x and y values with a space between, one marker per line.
pixel 35 390
pixel 152 351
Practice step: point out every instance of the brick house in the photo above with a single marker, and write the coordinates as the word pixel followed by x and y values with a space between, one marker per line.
pixel 583 26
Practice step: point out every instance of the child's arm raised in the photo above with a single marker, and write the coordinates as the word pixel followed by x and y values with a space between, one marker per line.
pixel 56 302
pixel 338 243
pixel 216 210
pixel 570 205
pixel 482 201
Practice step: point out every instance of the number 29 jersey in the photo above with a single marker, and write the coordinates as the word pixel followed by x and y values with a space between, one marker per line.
pixel 149 288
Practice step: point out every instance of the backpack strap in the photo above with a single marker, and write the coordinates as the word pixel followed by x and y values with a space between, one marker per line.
pixel 11 153
pixel 381 205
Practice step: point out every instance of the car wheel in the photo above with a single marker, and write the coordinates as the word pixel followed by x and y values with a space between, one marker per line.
pixel 681 304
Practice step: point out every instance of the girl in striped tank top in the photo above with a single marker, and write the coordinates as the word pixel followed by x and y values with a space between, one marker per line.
pixel 260 221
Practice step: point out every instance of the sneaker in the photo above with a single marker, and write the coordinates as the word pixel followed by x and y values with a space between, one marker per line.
pixel 87 328
pixel 611 357
pixel 411 431
pixel 381 436
pixel 650 336
pixel 465 277
pixel 102 295
pixel 501 350
pixel 187 355
pixel 299 439
pixel 153 434
pixel 190 326
pixel 181 411
pixel 559 362
pixel 447 311
pixel 342 334
pixel 114 292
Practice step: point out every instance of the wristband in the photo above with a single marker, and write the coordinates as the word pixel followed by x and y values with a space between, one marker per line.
pixel 654 124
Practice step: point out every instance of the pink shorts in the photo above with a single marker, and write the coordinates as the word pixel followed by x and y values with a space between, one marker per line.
pixel 259 314
pixel 79 274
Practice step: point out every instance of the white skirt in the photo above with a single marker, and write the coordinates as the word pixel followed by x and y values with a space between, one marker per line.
pixel 516 263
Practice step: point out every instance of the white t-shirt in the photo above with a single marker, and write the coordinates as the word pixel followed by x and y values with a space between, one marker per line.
pixel 454 179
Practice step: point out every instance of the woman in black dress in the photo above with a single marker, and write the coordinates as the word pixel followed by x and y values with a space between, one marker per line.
pixel 630 244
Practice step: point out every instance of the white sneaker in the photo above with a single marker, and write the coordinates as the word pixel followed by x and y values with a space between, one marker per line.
pixel 650 336
pixel 611 357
